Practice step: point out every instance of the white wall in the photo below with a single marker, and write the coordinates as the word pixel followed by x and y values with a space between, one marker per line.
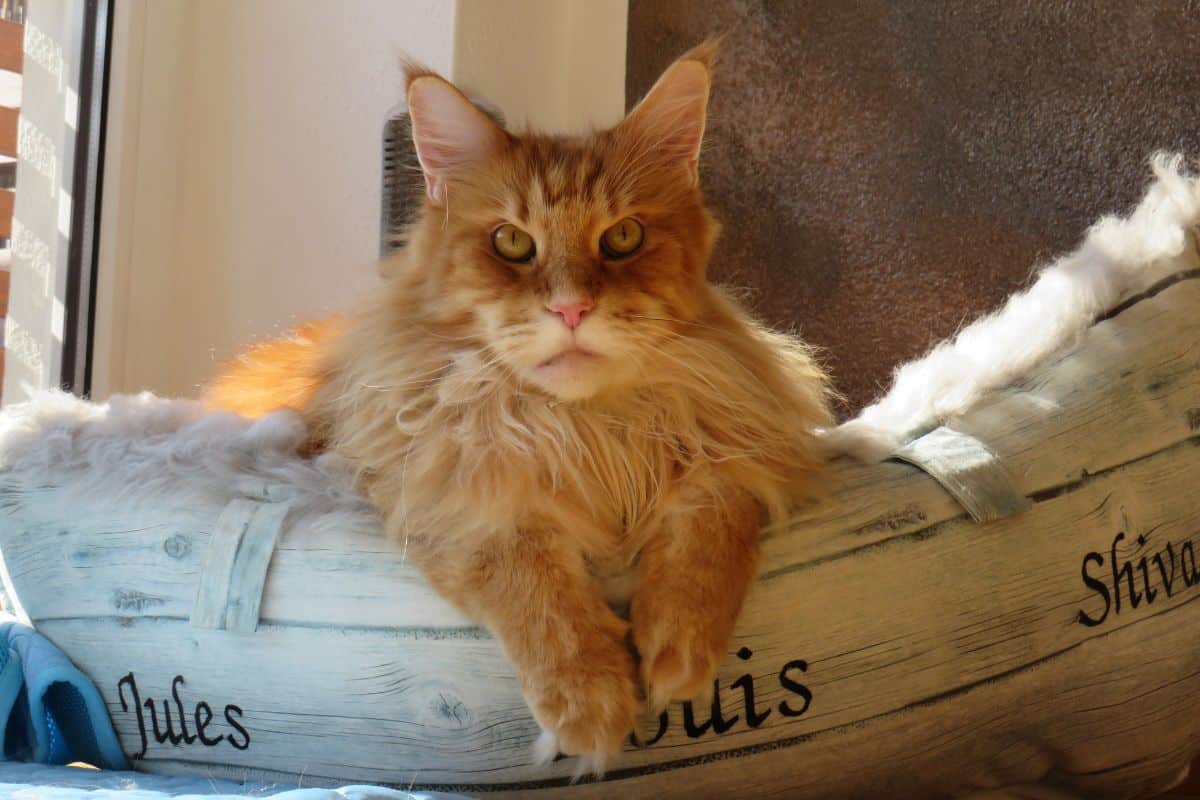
pixel 551 64
pixel 243 164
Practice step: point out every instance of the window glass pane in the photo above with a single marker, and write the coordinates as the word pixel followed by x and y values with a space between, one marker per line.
pixel 61 96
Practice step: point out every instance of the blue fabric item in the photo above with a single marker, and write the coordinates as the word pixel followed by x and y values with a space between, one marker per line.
pixel 12 685
pixel 52 713
pixel 25 781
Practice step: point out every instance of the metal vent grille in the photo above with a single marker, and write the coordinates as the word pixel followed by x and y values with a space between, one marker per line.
pixel 402 182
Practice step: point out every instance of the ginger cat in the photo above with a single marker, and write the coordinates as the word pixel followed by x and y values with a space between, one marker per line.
pixel 549 397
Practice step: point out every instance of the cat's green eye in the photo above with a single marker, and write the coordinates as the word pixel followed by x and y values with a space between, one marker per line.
pixel 513 244
pixel 622 239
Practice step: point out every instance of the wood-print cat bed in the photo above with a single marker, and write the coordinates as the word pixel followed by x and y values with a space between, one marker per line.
pixel 243 616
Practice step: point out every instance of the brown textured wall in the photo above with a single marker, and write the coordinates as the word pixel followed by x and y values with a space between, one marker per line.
pixel 886 170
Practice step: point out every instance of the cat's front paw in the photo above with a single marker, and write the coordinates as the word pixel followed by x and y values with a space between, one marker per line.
pixel 680 650
pixel 586 709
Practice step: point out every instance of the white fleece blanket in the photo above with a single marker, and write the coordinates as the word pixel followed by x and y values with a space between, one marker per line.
pixel 131 452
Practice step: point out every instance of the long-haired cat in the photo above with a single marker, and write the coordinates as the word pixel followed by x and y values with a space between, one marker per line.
pixel 555 409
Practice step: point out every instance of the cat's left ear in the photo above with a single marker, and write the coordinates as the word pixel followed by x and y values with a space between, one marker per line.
pixel 669 121
pixel 449 132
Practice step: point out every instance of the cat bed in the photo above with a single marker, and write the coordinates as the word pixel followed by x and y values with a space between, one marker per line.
pixel 1008 602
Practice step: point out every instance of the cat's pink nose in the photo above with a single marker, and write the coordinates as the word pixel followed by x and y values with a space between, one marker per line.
pixel 571 312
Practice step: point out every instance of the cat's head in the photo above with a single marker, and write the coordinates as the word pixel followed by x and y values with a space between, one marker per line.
pixel 571 259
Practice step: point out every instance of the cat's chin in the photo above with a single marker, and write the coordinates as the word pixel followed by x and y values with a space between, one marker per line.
pixel 574 374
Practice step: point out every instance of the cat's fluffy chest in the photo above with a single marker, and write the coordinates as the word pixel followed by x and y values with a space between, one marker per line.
pixel 601 476
pixel 473 452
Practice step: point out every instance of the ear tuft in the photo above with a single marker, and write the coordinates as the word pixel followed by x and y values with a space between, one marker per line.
pixel 706 52
pixel 669 121
pixel 449 132
pixel 413 69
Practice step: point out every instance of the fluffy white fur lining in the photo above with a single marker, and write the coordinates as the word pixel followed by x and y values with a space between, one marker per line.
pixel 1119 257
pixel 141 451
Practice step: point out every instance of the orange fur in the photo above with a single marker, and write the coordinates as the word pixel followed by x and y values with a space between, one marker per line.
pixel 279 373
pixel 526 485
